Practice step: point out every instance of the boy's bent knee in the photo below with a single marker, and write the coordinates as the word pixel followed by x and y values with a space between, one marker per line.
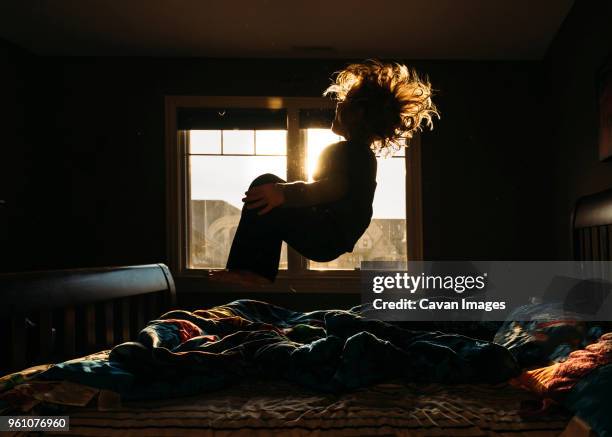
pixel 267 178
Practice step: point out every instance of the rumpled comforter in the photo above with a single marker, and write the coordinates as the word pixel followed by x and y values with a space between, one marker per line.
pixel 184 353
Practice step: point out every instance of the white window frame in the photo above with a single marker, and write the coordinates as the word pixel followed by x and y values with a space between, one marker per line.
pixel 297 277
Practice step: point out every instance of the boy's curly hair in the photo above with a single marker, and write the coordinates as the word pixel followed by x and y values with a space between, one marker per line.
pixel 395 98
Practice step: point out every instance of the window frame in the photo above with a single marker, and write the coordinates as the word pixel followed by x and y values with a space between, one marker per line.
pixel 297 277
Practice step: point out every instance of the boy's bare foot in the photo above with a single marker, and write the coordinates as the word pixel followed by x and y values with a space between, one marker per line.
pixel 239 277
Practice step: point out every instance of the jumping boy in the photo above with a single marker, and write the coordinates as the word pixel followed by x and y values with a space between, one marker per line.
pixel 380 105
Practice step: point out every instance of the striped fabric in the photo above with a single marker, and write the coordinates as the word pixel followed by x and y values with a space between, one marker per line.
pixel 263 409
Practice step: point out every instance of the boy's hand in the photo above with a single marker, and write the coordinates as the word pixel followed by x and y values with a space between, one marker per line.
pixel 267 195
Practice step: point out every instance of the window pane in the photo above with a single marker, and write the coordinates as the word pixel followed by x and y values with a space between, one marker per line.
pixel 271 142
pixel 238 142
pixel 385 238
pixel 204 141
pixel 218 184
pixel 390 197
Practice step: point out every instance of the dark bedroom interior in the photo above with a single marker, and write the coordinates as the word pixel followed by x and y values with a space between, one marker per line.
pixel 130 131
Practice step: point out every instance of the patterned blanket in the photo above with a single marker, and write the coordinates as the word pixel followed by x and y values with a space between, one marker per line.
pixel 184 353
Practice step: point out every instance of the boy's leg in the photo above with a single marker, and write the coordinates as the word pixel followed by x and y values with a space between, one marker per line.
pixel 317 237
pixel 257 243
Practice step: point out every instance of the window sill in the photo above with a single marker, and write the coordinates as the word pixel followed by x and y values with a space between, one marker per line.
pixel 316 281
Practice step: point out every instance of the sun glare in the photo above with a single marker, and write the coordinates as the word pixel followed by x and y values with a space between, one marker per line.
pixel 316 141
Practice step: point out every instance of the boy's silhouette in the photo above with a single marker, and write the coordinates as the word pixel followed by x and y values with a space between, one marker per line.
pixel 379 106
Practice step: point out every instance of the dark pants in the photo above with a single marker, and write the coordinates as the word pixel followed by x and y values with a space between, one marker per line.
pixel 257 243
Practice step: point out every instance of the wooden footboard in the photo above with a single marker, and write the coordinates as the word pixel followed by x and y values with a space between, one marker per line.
pixel 57 315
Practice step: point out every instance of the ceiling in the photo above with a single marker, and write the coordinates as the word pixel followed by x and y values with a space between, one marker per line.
pixel 409 29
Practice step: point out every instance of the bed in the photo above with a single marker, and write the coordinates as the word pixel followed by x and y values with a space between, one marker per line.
pixel 54 316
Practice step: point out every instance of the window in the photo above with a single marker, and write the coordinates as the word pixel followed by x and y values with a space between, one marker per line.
pixel 217 145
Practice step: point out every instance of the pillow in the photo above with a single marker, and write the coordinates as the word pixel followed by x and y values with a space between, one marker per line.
pixel 540 334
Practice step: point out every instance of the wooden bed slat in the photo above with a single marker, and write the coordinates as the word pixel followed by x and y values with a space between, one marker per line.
pixel 109 324
pixel 19 338
pixel 586 238
pixel 576 244
pixel 90 328
pixel 139 307
pixel 69 332
pixel 125 320
pixel 585 246
pixel 595 247
pixel 602 234
pixel 152 307
pixel 45 333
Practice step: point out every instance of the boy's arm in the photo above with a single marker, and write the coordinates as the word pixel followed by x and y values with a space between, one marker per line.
pixel 329 188
pixel 326 190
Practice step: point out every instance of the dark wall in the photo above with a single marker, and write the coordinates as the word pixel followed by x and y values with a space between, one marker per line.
pixel 97 178
pixel 579 51
pixel 16 156
pixel 485 180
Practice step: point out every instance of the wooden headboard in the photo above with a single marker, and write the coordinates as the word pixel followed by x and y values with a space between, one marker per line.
pixel 592 227
pixel 56 315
